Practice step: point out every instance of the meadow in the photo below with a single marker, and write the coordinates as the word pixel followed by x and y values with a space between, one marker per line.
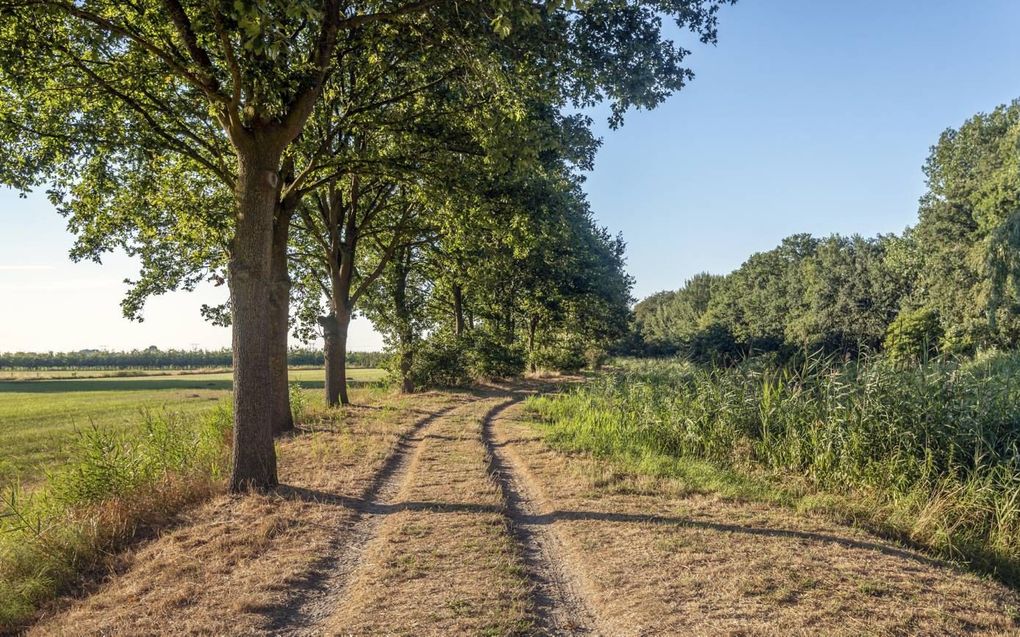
pixel 927 453
pixel 40 418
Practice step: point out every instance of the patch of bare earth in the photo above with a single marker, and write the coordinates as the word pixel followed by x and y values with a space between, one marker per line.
pixel 234 565
pixel 559 600
pixel 442 563
pixel 649 558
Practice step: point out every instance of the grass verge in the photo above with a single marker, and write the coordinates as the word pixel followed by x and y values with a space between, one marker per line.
pixel 925 456
pixel 116 486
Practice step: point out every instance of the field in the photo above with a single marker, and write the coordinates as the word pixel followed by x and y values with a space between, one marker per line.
pixel 39 417
pixel 450 513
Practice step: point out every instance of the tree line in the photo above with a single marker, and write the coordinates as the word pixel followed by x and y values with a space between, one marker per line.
pixel 416 161
pixel 155 358
pixel 946 286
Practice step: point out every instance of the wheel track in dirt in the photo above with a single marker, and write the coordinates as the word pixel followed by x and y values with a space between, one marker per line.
pixel 558 594
pixel 314 598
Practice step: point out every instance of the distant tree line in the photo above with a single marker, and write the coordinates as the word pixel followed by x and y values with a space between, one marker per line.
pixel 155 358
pixel 947 285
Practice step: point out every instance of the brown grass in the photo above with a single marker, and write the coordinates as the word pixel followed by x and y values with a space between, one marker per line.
pixel 233 558
pixel 652 557
pixel 673 562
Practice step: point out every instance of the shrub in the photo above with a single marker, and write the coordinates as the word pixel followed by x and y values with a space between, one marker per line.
pixel 913 337
pixel 439 361
pixel 713 344
pixel 298 402
pixel 491 357
pixel 560 355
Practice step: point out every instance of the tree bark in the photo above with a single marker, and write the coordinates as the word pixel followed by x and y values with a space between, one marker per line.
pixel 335 334
pixel 458 310
pixel 279 305
pixel 532 327
pixel 253 454
pixel 405 333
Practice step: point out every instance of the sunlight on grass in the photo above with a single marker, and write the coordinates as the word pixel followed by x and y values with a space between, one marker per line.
pixel 38 418
pixel 927 454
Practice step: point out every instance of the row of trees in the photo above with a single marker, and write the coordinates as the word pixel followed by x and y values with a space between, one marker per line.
pixel 394 157
pixel 947 285
pixel 155 358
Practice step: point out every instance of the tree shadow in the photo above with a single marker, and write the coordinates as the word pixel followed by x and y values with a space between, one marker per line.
pixel 313 496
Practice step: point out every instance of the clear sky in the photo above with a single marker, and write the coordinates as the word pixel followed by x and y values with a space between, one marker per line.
pixel 809 116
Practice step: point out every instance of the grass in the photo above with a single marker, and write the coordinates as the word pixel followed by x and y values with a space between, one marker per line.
pixel 927 454
pixel 218 568
pixel 115 485
pixel 39 419
pixel 149 448
pixel 62 374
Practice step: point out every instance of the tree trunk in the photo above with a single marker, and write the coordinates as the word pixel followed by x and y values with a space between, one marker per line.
pixel 253 455
pixel 335 332
pixel 532 327
pixel 403 314
pixel 279 304
pixel 458 310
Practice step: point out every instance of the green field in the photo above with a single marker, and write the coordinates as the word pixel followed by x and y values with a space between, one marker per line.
pixel 39 418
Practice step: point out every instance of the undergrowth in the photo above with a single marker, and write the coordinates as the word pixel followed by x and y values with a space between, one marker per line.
pixel 926 454
pixel 115 486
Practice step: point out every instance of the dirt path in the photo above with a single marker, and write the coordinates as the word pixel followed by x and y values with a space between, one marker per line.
pixel 560 601
pixel 446 513
pixel 312 600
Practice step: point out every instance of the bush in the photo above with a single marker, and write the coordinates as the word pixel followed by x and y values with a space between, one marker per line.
pixel 439 361
pixel 561 355
pixel 490 357
pixel 713 344
pixel 114 485
pixel 913 337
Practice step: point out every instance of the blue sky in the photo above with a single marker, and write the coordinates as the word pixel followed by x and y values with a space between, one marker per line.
pixel 809 116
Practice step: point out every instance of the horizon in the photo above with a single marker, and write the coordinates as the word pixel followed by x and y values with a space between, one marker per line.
pixel 775 136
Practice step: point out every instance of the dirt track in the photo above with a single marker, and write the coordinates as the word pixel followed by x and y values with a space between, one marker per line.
pixel 447 514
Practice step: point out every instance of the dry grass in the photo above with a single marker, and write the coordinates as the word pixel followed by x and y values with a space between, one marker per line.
pixel 674 562
pixel 652 556
pixel 232 559
pixel 443 563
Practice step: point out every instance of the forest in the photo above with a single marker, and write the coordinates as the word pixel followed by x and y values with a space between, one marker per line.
pixel 155 358
pixel 946 286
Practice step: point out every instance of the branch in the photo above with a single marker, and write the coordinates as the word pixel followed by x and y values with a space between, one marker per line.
pixel 383 16
pixel 210 91
pixel 174 142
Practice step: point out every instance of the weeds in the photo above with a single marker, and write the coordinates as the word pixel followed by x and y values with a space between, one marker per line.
pixel 929 453
pixel 115 486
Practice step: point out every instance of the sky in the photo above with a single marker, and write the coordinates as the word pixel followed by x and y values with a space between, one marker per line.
pixel 808 116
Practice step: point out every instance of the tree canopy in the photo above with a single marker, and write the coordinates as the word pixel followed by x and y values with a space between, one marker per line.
pixel 947 285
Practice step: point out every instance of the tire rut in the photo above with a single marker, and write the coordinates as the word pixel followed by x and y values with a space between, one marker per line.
pixel 560 604
pixel 313 599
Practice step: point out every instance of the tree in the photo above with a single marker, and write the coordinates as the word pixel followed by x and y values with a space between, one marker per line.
pixel 95 91
pixel 967 234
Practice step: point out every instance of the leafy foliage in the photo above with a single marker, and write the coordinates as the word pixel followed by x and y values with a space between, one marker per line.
pixel 947 285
